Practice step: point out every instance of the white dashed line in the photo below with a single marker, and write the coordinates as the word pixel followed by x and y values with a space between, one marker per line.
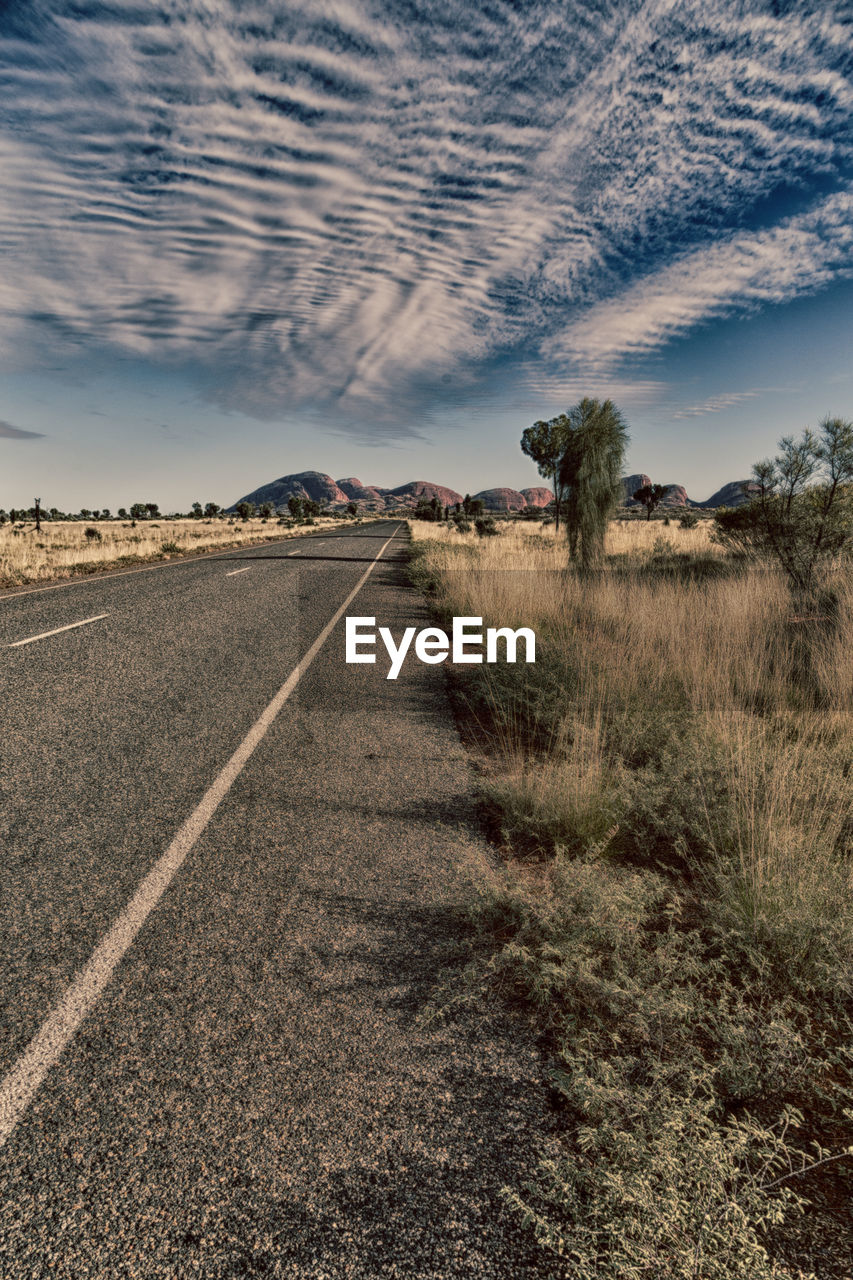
pixel 21 1084
pixel 44 634
pixel 233 571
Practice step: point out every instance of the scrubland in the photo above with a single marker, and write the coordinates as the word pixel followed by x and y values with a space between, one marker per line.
pixel 671 788
pixel 67 548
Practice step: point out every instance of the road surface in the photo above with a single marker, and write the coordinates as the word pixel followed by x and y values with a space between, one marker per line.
pixel 226 890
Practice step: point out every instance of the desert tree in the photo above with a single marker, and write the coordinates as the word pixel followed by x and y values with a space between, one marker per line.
pixel 212 509
pixel 546 443
pixel 650 496
pixel 802 513
pixel 245 510
pixel 588 475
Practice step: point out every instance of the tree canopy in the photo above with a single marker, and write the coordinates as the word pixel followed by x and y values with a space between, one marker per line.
pixel 589 472
pixel 545 443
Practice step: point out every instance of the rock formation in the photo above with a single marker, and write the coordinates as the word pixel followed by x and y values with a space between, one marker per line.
pixel 502 499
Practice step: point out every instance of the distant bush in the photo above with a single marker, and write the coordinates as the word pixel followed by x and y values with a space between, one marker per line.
pixel 689 519
pixel 170 547
pixel 486 527
pixel 92 534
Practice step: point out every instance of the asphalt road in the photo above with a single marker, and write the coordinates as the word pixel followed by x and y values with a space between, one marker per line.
pixel 251 1091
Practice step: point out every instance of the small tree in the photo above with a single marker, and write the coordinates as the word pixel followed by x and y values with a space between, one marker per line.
pixel 294 506
pixel 245 510
pixel 352 509
pixel 589 474
pixel 546 443
pixel 138 511
pixel 267 510
pixel 650 496
pixel 212 509
pixel 153 510
pixel 803 512
pixel 122 513
pixel 196 510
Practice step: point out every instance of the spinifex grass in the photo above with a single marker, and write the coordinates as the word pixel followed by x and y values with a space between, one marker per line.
pixel 63 548
pixel 672 787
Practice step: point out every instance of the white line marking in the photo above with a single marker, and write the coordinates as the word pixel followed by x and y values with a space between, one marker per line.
pixel 19 1087
pixel 56 631
pixel 231 572
pixel 296 553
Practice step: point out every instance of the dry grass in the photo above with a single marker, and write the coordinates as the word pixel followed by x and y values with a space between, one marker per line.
pixel 648 665
pixel 672 786
pixel 61 549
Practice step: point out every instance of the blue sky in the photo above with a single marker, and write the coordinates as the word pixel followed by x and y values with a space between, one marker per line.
pixel 376 239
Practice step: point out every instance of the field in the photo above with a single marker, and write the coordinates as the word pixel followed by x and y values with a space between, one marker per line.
pixel 65 548
pixel 671 790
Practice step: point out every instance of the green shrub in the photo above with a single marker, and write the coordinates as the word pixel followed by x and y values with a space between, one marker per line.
pixel 486 527
pixel 92 534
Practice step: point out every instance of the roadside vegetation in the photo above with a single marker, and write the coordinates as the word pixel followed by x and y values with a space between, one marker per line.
pixel 671 789
pixel 66 548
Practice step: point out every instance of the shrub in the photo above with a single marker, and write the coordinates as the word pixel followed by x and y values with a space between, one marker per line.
pixel 92 534
pixel 485 526
pixel 689 519
pixel 802 514
pixel 170 548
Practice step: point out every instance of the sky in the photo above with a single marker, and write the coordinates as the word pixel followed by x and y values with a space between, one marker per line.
pixel 243 238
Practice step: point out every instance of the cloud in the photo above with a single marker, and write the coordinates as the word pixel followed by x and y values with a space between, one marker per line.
pixel 739 274
pixel 715 404
pixel 8 432
pixel 330 205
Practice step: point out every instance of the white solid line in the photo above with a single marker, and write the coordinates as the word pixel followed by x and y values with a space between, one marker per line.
pixel 231 573
pixel 21 1083
pixel 56 630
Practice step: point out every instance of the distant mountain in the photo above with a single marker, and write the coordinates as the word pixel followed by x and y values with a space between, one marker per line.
pixel 537 496
pixel 630 485
pixel 408 495
pixel 502 499
pixel 731 495
pixel 675 496
pixel 366 493
pixel 304 484
pixel 336 494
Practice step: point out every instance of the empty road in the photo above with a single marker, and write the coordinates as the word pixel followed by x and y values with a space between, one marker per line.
pixel 232 867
